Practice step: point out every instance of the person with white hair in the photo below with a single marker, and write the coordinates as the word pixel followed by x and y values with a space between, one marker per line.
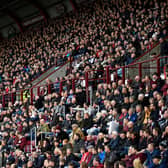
pixel 114 142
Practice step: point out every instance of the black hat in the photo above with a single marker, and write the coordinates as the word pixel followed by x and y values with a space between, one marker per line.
pixel 157 156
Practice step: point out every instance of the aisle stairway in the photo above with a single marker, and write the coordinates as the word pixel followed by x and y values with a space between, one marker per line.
pixel 51 74
pixel 147 68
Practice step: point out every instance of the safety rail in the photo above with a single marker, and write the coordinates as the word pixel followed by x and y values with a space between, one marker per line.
pixel 33 136
pixel 90 79
pixel 18 95
pixel 150 49
pixel 59 65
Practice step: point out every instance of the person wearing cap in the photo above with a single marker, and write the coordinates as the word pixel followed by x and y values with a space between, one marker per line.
pixel 122 143
pixel 76 130
pixel 87 156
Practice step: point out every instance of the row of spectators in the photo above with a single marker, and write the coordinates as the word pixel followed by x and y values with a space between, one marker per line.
pixel 108 32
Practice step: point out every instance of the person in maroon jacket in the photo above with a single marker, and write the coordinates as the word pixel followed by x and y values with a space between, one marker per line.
pixel 132 155
pixel 21 142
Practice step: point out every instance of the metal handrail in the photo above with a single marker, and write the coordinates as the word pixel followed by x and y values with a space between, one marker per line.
pixel 33 130
pixel 106 77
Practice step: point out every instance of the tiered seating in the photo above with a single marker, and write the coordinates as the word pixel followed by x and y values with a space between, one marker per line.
pixel 127 124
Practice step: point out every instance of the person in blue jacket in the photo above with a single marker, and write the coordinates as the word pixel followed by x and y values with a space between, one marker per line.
pixel 151 151
pixel 157 162
pixel 131 115
pixel 101 153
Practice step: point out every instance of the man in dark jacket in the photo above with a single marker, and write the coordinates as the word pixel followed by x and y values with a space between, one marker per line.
pixel 114 143
pixel 60 134
pixel 78 143
pixel 140 115
pixel 71 157
pixel 110 156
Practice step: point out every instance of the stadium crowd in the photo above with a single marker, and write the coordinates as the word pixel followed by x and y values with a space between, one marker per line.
pixel 127 124
pixel 110 32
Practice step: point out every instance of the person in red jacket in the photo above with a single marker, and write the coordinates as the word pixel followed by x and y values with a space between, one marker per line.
pixel 87 156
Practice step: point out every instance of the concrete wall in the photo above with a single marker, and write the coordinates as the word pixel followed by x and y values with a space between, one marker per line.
pixel 132 72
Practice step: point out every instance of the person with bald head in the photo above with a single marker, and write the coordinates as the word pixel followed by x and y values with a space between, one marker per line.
pixel 42 129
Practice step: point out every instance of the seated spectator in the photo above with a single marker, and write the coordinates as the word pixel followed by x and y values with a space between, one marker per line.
pixel 87 156
pixel 150 153
pixel 156 161
pixel 132 155
pixel 101 154
pixel 48 162
pixel 70 157
pixel 78 143
pixel 96 163
pixel 131 115
pixel 76 130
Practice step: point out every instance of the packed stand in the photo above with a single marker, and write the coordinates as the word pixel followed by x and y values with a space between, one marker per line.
pixel 107 33
pixel 126 126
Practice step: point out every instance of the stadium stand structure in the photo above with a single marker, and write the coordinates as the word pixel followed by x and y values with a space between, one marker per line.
pixel 126 122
